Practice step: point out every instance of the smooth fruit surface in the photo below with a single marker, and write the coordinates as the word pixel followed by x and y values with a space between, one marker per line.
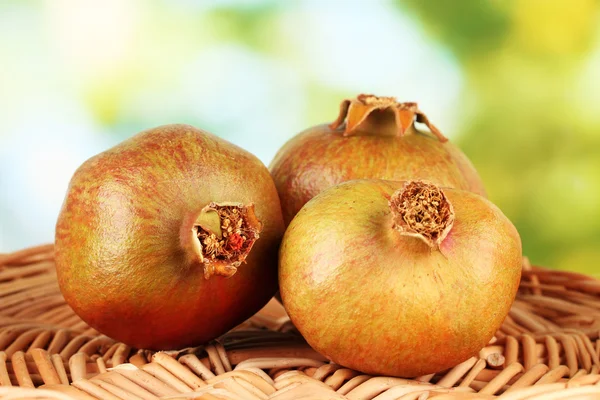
pixel 128 244
pixel 326 155
pixel 373 299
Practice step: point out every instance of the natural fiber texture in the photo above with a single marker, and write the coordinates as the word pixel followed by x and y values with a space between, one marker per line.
pixel 421 209
pixel 548 348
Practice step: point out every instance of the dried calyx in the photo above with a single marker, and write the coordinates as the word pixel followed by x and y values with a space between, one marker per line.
pixel 226 233
pixel 421 209
pixel 381 114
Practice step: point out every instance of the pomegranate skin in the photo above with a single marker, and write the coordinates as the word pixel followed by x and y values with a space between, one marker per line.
pixel 120 260
pixel 372 299
pixel 321 157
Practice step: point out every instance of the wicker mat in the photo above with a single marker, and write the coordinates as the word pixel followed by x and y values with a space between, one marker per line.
pixel 548 348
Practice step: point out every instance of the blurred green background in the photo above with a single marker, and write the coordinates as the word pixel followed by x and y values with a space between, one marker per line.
pixel 515 83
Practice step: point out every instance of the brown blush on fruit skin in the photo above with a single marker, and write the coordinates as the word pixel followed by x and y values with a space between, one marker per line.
pixel 383 296
pixel 326 155
pixel 120 261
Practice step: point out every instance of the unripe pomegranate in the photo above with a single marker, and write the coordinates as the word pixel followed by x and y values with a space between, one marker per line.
pixel 401 279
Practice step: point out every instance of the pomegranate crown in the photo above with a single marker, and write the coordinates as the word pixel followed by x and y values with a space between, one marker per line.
pixel 356 111
pixel 422 210
pixel 221 236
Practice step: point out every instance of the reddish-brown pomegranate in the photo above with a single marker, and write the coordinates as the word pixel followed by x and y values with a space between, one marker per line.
pixel 378 140
pixel 169 239
pixel 401 279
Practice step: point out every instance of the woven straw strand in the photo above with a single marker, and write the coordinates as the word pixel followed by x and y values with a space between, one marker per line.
pixel 547 348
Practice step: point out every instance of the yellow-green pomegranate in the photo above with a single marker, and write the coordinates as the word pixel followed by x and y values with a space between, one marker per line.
pixel 401 279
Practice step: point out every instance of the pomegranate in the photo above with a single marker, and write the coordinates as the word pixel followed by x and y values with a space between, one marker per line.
pixel 372 138
pixel 401 279
pixel 169 239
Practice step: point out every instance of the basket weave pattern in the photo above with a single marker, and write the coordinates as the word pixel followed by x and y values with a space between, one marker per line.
pixel 548 348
